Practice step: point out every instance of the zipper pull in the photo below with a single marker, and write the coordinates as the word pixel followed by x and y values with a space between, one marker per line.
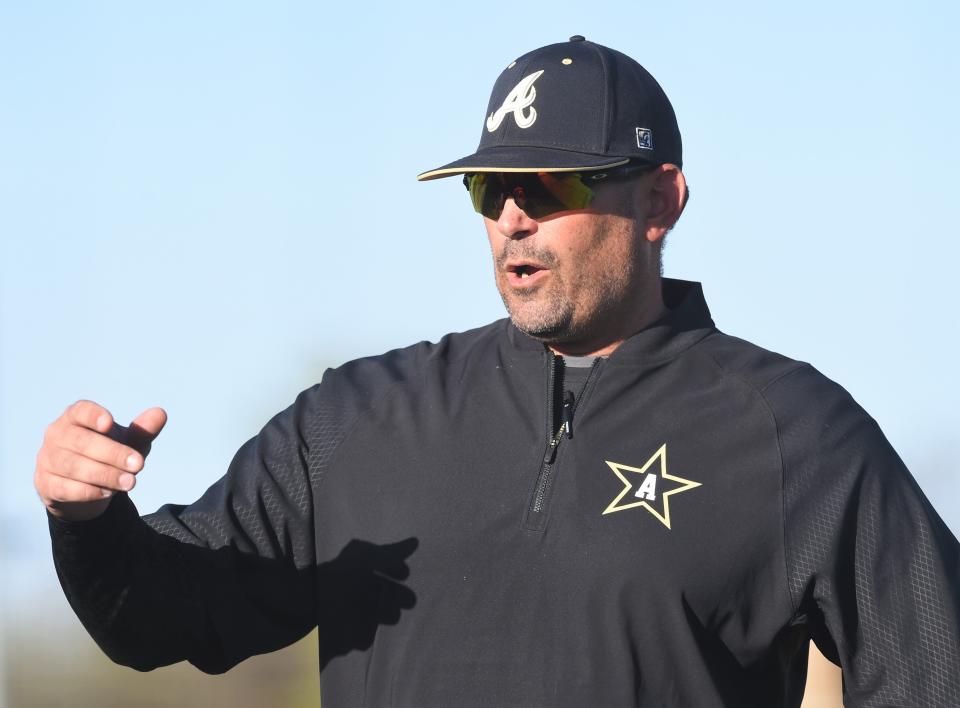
pixel 567 416
pixel 551 453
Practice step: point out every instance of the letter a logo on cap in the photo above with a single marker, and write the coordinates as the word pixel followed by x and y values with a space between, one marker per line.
pixel 520 98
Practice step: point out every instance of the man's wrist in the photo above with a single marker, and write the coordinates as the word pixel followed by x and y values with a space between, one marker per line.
pixel 119 512
pixel 78 511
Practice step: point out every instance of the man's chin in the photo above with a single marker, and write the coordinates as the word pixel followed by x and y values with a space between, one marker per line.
pixel 542 330
pixel 545 319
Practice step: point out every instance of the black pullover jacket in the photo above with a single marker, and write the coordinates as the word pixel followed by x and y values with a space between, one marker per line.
pixel 465 532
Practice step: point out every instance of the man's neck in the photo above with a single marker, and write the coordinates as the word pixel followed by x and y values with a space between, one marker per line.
pixel 650 309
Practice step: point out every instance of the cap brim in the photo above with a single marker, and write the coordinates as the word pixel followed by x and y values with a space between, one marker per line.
pixel 525 159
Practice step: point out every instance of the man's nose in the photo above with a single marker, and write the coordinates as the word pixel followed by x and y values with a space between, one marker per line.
pixel 514 222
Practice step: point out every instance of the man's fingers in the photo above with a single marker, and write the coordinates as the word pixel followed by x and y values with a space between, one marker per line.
pixel 100 448
pixel 61 489
pixel 86 458
pixel 70 465
pixel 89 415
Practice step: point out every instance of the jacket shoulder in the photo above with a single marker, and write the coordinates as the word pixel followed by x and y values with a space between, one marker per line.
pixel 790 387
pixel 755 365
pixel 366 379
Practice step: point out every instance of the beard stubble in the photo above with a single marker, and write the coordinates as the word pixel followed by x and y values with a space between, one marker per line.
pixel 548 313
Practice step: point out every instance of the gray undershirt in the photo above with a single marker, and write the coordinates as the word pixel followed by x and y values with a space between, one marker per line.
pixel 576 369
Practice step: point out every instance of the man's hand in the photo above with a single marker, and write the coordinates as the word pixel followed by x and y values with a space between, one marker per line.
pixel 86 458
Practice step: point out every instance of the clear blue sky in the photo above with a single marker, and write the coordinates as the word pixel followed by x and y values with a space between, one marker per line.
pixel 203 205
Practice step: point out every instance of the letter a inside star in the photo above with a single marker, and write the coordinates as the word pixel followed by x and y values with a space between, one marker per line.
pixel 642 481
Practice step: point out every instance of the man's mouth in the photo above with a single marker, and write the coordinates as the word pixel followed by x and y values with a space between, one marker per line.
pixel 522 275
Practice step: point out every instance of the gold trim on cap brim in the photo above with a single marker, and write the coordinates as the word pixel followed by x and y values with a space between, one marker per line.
pixel 436 174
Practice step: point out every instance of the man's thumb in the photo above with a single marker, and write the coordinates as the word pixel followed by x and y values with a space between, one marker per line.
pixel 151 421
pixel 145 427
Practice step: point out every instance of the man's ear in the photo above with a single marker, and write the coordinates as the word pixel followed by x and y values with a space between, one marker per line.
pixel 665 198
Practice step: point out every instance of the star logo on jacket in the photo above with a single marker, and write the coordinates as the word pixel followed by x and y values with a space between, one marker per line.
pixel 650 486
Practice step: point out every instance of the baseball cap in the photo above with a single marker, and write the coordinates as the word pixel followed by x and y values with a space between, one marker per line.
pixel 572 107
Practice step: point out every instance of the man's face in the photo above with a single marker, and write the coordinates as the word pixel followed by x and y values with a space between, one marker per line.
pixel 575 276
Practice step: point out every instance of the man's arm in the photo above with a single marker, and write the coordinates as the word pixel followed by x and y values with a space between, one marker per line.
pixel 872 568
pixel 227 577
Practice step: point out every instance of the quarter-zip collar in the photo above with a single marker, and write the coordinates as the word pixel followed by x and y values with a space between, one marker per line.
pixel 685 323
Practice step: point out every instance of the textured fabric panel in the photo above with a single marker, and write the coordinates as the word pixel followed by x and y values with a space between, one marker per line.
pixel 264 504
pixel 866 551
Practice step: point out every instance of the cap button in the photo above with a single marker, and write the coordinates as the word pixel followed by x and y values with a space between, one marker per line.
pixel 578 38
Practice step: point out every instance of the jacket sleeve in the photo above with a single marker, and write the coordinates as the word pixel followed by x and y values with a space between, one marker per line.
pixel 872 568
pixel 224 578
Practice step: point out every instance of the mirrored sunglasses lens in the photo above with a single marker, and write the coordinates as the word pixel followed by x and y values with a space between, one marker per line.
pixel 538 195
pixel 552 192
pixel 485 194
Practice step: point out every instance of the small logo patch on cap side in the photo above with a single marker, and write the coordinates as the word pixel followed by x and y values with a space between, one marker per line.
pixel 520 97
pixel 644 138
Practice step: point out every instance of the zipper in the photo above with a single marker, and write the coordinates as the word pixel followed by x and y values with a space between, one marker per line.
pixel 544 478
pixel 536 511
pixel 565 429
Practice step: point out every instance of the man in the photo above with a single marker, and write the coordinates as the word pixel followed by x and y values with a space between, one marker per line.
pixel 602 500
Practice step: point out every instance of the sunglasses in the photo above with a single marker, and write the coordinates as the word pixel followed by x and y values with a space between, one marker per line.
pixel 540 194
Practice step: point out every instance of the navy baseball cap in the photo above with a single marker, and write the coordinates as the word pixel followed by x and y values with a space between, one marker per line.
pixel 572 107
